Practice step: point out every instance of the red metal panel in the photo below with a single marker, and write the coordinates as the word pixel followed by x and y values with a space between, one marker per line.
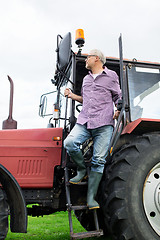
pixel 142 125
pixel 31 155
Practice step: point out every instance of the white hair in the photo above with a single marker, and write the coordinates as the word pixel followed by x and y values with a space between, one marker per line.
pixel 99 54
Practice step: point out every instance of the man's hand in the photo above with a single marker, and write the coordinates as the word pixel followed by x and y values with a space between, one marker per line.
pixel 116 114
pixel 68 92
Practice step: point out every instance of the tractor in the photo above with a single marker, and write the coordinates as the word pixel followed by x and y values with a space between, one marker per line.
pixel 35 168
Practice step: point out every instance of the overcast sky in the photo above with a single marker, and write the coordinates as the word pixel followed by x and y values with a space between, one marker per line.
pixel 28 34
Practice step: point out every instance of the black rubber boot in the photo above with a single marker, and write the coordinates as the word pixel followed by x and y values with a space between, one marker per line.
pixel 93 183
pixel 81 168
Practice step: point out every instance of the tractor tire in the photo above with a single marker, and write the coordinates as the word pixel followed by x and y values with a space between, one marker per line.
pixel 3 216
pixel 131 188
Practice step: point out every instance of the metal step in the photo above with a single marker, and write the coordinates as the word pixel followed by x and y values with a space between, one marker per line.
pixel 73 207
pixel 82 235
pixel 78 184
pixel 80 207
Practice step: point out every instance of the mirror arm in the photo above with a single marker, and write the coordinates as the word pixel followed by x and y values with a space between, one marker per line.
pixel 64 75
pixel 58 36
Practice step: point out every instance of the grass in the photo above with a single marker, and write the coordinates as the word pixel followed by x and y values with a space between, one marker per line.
pixel 52 227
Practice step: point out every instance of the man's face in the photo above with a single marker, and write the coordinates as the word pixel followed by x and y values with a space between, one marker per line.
pixel 91 61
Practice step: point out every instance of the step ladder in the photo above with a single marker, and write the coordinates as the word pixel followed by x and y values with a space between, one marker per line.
pixel 98 232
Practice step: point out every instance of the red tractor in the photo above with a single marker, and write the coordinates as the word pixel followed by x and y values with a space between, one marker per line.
pixel 35 168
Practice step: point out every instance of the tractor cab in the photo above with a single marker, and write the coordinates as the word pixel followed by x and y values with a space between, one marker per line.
pixel 139 81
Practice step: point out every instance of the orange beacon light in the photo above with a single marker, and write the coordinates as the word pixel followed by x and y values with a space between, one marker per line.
pixel 80 37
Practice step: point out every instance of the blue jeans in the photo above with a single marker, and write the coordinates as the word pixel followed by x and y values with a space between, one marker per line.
pixel 101 138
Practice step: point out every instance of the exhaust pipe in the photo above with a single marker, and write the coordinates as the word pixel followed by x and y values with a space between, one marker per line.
pixel 9 123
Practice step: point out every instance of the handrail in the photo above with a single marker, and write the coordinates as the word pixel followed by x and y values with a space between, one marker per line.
pixel 122 117
pixel 117 131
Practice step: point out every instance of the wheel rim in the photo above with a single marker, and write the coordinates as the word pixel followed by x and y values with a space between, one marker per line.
pixel 151 198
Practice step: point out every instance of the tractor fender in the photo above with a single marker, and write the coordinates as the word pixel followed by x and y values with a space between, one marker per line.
pixel 141 126
pixel 18 210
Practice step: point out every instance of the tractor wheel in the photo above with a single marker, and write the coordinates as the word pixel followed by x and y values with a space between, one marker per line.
pixel 131 190
pixel 3 216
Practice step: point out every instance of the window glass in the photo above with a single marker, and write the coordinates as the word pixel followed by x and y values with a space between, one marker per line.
pixel 144 92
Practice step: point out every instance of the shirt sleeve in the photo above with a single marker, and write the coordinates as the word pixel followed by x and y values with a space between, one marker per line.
pixel 82 87
pixel 116 91
pixel 82 91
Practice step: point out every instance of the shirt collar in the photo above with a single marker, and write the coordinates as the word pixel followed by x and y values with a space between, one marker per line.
pixel 105 71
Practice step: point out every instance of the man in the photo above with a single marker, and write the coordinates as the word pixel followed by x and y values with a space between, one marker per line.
pixel 100 89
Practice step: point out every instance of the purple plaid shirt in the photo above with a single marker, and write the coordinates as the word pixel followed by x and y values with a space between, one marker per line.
pixel 99 94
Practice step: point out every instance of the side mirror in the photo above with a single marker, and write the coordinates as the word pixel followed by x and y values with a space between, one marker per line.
pixel 42 106
pixel 63 51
